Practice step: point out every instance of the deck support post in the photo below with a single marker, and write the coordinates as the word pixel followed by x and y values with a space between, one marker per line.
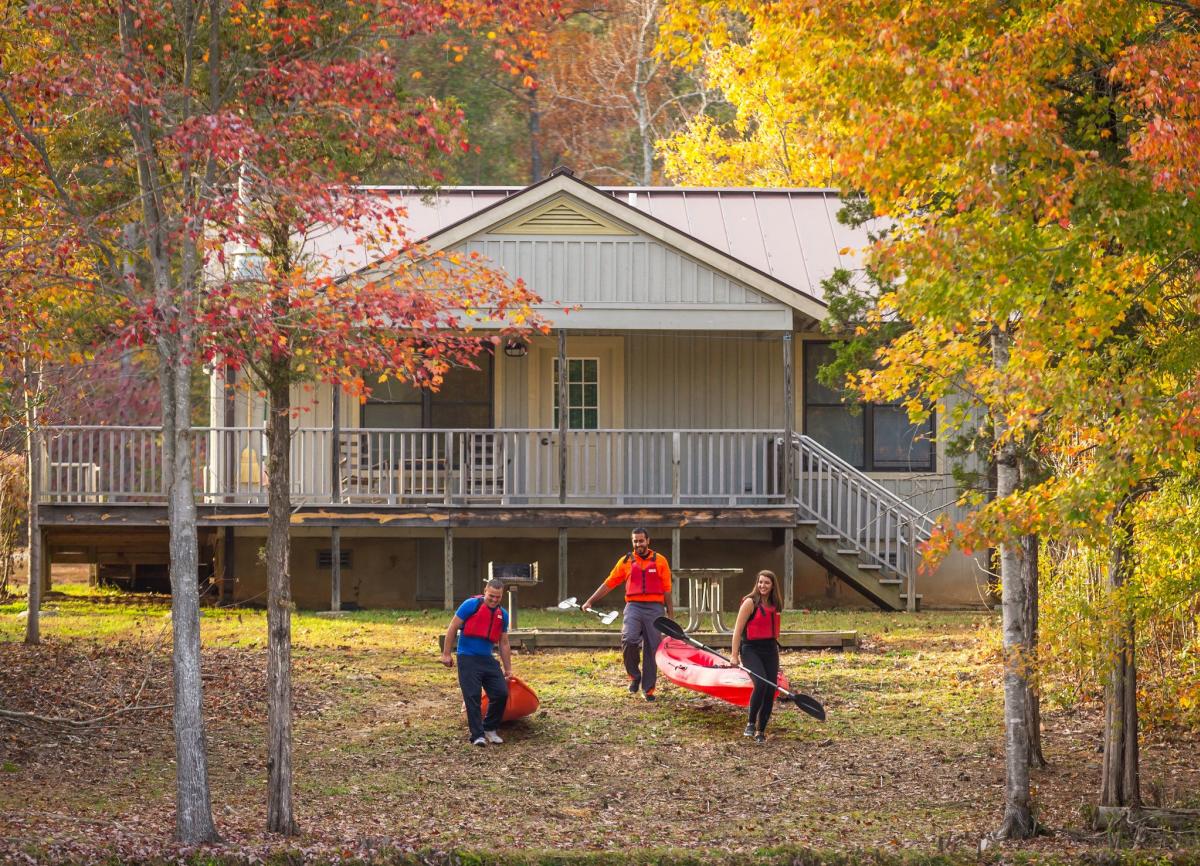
pixel 563 583
pixel 789 567
pixel 229 548
pixel 44 563
pixel 908 535
pixel 676 542
pixel 335 568
pixel 448 578
pixel 563 416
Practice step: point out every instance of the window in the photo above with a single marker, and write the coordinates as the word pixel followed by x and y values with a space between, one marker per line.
pixel 870 436
pixel 463 401
pixel 583 393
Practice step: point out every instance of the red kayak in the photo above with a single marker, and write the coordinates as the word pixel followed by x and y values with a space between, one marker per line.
pixel 521 701
pixel 700 670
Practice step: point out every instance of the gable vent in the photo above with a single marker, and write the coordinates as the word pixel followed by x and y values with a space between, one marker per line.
pixel 561 218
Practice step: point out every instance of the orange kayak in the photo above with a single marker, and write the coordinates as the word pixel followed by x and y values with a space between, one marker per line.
pixel 521 700
pixel 701 671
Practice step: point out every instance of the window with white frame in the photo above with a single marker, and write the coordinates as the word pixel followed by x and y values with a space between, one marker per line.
pixel 583 393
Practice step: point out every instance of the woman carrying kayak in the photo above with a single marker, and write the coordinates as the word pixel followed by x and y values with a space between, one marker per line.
pixel 755 645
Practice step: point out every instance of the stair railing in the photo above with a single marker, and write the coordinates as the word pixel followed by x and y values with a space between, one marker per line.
pixel 877 523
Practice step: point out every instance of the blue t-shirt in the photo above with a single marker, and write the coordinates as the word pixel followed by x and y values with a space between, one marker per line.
pixel 475 646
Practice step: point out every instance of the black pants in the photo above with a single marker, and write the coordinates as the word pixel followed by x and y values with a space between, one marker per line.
pixel 477 673
pixel 762 657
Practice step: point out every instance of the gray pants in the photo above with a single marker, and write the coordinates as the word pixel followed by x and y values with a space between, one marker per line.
pixel 638 631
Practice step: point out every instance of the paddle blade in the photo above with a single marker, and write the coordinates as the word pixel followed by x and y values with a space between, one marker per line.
pixel 567 603
pixel 608 618
pixel 806 704
pixel 670 628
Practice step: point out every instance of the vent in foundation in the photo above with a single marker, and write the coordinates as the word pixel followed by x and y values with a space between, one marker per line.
pixel 325 558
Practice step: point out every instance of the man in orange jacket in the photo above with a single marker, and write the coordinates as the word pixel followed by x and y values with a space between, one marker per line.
pixel 647 579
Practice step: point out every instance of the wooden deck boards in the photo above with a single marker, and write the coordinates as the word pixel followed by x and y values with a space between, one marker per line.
pixel 430 516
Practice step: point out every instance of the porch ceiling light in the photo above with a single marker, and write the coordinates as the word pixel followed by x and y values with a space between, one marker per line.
pixel 516 348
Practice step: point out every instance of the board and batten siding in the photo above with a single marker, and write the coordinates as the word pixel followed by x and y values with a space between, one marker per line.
pixel 610 278
pixel 675 381
pixel 702 381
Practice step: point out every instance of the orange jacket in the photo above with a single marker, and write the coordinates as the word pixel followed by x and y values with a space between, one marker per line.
pixel 620 574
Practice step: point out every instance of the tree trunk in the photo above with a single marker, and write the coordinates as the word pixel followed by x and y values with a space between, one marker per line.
pixel 172 301
pixel 1030 564
pixel 993 555
pixel 645 134
pixel 33 625
pixel 645 70
pixel 1119 781
pixel 280 817
pixel 1018 820
pixel 535 133
pixel 193 815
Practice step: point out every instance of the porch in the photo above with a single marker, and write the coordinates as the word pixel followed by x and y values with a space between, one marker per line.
pixel 472 479
pixel 420 467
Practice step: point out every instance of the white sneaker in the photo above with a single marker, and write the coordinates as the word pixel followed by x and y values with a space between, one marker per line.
pixel 492 737
pixel 479 741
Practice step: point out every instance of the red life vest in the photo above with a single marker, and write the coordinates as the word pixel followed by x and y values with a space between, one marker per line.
pixel 644 578
pixel 485 622
pixel 763 623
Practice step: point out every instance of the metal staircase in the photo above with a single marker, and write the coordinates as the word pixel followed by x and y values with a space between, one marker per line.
pixel 856 527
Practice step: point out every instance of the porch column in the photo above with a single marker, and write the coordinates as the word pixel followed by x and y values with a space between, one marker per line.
pixel 789 486
pixel 563 585
pixel 335 480
pixel 562 416
pixel 789 419
pixel 675 542
pixel 228 444
pixel 448 579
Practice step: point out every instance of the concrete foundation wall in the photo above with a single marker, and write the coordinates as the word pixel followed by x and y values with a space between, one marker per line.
pixel 408 570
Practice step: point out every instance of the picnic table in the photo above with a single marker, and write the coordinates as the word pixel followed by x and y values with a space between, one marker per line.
pixel 705 593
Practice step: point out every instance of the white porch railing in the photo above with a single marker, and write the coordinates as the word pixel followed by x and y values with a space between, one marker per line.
pixel 743 468
pixel 881 527
pixel 389 466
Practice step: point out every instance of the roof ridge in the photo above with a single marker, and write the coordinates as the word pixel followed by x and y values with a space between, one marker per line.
pixel 759 190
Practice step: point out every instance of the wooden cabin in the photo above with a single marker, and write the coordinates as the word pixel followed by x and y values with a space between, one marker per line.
pixel 692 408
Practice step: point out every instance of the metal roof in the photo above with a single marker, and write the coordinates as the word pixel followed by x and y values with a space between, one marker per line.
pixel 790 234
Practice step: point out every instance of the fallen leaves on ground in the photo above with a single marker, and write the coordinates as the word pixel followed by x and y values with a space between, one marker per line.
pixel 911 758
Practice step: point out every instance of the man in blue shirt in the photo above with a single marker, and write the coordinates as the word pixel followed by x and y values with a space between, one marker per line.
pixel 481 625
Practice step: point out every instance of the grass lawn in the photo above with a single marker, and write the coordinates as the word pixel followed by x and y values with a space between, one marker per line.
pixel 910 758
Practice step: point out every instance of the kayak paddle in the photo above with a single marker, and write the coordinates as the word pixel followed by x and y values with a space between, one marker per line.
pixel 808 704
pixel 606 618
